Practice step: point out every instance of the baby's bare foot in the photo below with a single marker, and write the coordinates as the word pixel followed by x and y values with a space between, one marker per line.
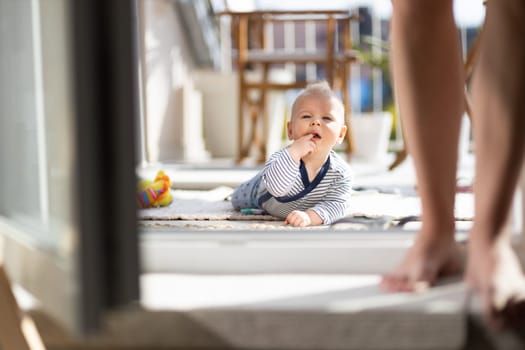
pixel 429 258
pixel 495 274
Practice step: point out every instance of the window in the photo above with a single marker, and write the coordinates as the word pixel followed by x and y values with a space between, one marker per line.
pixel 64 137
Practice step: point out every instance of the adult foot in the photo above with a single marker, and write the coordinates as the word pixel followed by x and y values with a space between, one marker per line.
pixel 430 257
pixel 494 273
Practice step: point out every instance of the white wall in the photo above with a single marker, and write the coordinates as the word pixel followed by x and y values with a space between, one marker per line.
pixel 170 134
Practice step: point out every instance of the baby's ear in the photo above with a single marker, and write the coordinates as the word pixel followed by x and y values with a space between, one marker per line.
pixel 342 134
pixel 289 130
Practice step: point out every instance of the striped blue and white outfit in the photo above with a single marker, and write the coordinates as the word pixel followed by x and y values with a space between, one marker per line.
pixel 283 186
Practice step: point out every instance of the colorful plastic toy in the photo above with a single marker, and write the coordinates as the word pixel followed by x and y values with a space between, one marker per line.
pixel 154 193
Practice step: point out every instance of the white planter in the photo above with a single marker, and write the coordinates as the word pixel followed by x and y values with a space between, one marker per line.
pixel 371 133
pixel 219 107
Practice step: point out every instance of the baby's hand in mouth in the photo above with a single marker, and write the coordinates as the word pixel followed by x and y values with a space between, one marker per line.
pixel 315 136
pixel 303 146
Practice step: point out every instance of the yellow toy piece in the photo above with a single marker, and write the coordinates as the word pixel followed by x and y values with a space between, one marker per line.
pixel 154 193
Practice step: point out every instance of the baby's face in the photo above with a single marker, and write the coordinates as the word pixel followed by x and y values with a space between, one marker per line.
pixel 320 116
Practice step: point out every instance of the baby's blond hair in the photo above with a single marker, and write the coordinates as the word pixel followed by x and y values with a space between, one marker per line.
pixel 321 88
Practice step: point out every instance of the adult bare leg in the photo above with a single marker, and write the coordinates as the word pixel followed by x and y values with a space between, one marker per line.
pixel 429 80
pixel 493 270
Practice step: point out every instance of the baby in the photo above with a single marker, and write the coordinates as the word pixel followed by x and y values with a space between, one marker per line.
pixel 306 183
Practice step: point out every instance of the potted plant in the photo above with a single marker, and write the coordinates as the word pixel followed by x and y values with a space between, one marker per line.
pixel 373 130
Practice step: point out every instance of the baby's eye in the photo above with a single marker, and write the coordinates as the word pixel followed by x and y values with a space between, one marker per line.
pixel 327 118
pixel 306 116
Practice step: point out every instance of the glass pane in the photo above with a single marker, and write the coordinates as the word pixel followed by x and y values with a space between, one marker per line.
pixel 36 150
pixel 19 187
pixel 35 119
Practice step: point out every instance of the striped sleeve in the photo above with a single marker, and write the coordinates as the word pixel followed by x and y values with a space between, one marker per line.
pixel 280 173
pixel 336 200
pixel 337 190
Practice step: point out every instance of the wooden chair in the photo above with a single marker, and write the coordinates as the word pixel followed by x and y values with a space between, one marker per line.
pixel 248 33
